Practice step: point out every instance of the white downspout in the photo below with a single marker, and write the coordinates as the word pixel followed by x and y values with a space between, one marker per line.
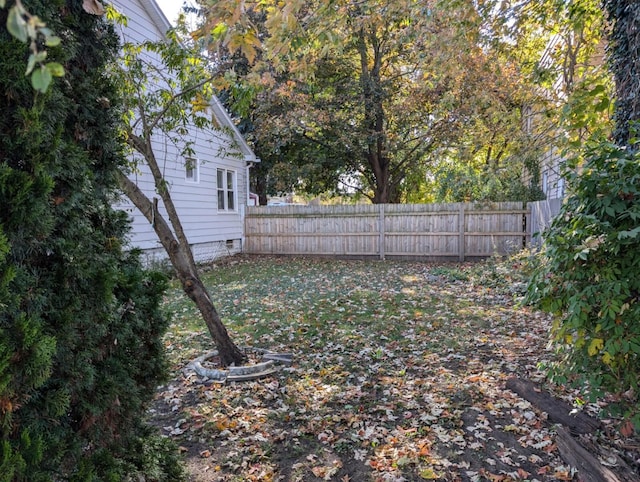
pixel 250 164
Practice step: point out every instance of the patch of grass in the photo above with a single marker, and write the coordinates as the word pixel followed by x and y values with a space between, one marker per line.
pixel 301 303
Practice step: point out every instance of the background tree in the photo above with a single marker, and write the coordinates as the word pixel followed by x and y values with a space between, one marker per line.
pixel 559 47
pixel 383 89
pixel 80 327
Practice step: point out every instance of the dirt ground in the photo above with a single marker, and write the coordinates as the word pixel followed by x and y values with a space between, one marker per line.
pixel 510 442
pixel 416 396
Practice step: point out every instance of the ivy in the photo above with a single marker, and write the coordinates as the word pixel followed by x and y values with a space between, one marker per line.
pixel 624 45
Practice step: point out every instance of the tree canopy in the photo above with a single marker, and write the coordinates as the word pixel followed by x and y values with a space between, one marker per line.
pixel 399 101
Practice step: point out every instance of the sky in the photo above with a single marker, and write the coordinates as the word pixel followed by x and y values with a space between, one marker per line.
pixel 171 8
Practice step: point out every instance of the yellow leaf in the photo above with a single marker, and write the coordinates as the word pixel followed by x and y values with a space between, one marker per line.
pixel 595 346
pixel 429 474
pixel 199 103
pixel 247 43
pixel 607 358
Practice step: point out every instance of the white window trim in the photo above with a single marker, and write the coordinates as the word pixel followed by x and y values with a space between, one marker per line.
pixel 560 187
pixel 195 179
pixel 225 190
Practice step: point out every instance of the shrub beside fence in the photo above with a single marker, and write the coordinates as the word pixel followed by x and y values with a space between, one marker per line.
pixel 456 231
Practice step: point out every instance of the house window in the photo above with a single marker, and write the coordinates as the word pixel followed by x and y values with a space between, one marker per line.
pixel 192 170
pixel 527 119
pixel 560 188
pixel 226 190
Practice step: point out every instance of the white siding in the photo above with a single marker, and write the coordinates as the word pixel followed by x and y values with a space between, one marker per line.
pixel 551 180
pixel 210 232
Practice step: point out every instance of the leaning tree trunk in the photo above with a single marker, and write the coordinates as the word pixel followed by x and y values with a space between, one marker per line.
pixel 182 262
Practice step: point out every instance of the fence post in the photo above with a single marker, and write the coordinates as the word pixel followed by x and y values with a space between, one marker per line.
pixel 461 240
pixel 381 231
pixel 526 225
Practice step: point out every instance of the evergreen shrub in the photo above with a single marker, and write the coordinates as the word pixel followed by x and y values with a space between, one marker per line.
pixel 80 325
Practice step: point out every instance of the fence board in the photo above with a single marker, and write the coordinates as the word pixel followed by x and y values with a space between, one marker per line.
pixel 542 212
pixel 443 231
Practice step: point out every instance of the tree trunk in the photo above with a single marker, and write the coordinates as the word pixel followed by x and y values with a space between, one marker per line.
pixel 227 350
pixel 259 174
pixel 381 194
pixel 374 116
pixel 181 260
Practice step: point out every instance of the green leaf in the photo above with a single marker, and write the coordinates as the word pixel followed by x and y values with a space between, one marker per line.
pixel 55 69
pixel 31 64
pixel 602 105
pixel 16 25
pixel 52 41
pixel 633 233
pixel 41 79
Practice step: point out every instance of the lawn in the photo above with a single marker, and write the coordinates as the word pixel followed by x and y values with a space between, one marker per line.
pixel 399 372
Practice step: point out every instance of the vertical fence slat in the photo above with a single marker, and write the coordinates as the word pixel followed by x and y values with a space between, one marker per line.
pixel 381 229
pixel 461 230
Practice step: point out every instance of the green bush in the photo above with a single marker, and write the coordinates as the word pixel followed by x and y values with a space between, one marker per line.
pixel 80 325
pixel 589 276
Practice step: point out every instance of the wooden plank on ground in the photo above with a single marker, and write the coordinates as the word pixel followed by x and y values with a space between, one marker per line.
pixel 557 410
pixel 588 467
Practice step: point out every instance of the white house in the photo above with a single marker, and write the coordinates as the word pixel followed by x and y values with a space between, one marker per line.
pixel 210 190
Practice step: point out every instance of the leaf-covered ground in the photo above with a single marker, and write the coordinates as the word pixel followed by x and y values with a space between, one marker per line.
pixel 399 372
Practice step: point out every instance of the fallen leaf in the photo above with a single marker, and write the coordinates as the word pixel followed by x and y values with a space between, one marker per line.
pixel 626 429
pixel 563 475
pixel 429 474
pixel 94 7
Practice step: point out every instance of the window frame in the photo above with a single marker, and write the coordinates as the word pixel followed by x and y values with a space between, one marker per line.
pixel 195 170
pixel 223 192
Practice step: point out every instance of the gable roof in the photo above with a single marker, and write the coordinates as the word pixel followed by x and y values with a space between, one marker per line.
pixel 161 22
pixel 157 15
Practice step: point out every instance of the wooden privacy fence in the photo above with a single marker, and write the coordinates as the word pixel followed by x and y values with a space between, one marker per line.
pixel 429 231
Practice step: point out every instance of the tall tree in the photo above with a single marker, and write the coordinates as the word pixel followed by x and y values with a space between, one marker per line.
pixel 379 86
pixel 80 325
